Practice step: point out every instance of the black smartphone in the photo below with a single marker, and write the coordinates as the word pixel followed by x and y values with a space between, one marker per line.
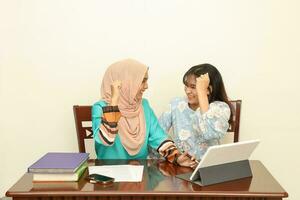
pixel 97 178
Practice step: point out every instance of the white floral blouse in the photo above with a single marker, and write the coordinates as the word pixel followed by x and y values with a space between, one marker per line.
pixel 192 131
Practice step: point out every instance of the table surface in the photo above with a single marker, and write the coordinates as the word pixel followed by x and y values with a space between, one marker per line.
pixel 158 180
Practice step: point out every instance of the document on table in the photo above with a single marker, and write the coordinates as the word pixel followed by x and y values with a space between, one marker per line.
pixel 121 173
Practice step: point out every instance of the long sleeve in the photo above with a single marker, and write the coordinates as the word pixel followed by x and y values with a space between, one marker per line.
pixel 158 139
pixel 104 123
pixel 214 123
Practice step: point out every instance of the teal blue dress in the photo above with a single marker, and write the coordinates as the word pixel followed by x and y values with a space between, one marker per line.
pixel 154 136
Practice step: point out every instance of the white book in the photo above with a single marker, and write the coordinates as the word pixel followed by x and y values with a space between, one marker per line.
pixel 37 177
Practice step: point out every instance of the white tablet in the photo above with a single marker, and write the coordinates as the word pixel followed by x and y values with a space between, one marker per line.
pixel 226 153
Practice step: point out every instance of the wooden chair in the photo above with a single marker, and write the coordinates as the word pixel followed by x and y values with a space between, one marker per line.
pixel 234 125
pixel 83 118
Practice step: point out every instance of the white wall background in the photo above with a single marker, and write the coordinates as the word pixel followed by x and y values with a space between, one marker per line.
pixel 53 54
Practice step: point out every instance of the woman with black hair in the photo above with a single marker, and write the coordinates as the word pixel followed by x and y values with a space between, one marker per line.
pixel 200 119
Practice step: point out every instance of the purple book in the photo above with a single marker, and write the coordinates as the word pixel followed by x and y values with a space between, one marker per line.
pixel 59 163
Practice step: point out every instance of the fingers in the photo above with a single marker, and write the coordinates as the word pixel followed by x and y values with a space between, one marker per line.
pixel 186 160
pixel 194 165
pixel 185 153
pixel 117 84
pixel 205 76
pixel 183 157
pixel 189 163
pixel 115 92
pixel 202 83
pixel 193 158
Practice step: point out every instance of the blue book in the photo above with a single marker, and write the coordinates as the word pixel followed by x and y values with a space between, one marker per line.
pixel 59 163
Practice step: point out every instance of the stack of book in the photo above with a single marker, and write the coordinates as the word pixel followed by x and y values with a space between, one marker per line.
pixel 59 167
pixel 57 186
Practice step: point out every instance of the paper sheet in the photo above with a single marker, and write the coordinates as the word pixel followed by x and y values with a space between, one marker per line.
pixel 121 173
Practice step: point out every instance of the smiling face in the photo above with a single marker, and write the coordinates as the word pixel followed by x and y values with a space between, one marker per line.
pixel 143 87
pixel 191 92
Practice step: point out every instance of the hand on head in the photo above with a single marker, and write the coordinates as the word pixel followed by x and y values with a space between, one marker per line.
pixel 202 83
pixel 115 92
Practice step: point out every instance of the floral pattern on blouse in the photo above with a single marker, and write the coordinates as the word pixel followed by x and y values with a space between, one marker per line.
pixel 194 131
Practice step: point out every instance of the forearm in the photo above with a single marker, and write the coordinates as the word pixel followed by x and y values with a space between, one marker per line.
pixel 203 101
pixel 210 132
pixel 114 101
pixel 212 127
pixel 214 122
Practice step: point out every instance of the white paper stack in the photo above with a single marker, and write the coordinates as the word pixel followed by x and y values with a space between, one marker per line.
pixel 121 173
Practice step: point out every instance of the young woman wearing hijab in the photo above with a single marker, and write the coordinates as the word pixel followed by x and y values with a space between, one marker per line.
pixel 124 124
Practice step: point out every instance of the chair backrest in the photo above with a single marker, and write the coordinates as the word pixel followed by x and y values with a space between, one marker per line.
pixel 234 125
pixel 83 122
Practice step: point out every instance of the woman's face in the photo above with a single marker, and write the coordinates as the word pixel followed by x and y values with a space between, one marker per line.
pixel 191 92
pixel 143 87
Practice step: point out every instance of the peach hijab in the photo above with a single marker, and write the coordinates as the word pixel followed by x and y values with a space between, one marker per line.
pixel 132 124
